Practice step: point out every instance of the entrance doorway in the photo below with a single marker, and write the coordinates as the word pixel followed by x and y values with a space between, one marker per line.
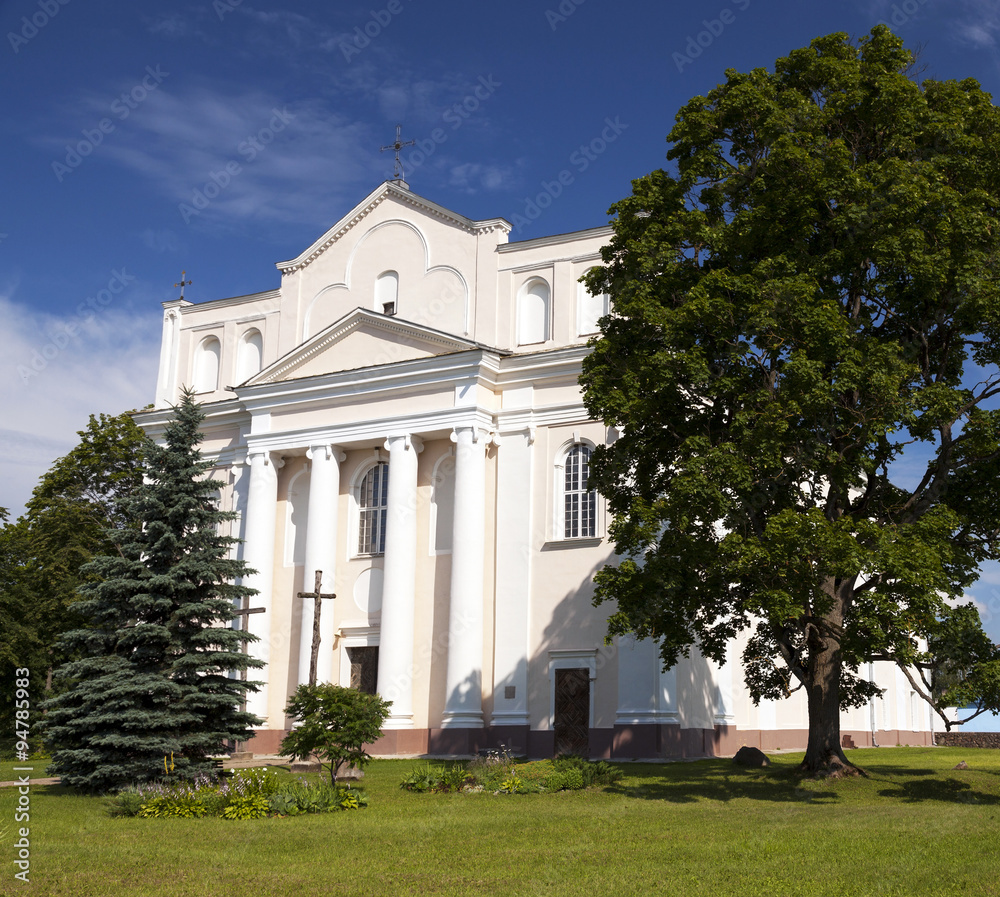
pixel 571 712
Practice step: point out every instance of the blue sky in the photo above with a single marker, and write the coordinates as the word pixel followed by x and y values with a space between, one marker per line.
pixel 221 137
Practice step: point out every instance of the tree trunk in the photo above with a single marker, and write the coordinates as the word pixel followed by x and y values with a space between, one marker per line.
pixel 824 754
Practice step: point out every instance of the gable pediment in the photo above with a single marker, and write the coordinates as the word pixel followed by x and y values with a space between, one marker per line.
pixel 399 194
pixel 361 339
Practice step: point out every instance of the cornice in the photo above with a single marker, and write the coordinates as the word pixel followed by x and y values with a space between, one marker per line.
pixel 603 231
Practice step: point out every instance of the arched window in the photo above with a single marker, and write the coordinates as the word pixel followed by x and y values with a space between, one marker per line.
pixel 373 505
pixel 533 313
pixel 589 310
pixel 387 293
pixel 248 359
pixel 579 501
pixel 206 365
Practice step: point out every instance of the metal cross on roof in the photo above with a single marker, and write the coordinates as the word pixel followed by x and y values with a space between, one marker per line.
pixel 183 283
pixel 397 146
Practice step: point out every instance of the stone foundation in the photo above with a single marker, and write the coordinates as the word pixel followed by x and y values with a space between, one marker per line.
pixel 968 739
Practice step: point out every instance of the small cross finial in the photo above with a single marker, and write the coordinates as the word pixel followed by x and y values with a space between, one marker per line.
pixel 183 283
pixel 397 171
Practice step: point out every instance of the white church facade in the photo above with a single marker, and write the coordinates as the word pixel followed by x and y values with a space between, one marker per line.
pixel 403 414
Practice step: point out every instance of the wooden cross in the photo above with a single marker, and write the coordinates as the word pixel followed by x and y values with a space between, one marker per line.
pixel 244 614
pixel 316 595
pixel 397 146
pixel 183 283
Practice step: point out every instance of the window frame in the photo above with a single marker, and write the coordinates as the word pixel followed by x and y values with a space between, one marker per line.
pixel 359 492
pixel 561 493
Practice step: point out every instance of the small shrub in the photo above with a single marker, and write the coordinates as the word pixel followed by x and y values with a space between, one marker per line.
pixel 421 780
pixel 255 806
pixel 511 784
pixel 175 804
pixel 126 803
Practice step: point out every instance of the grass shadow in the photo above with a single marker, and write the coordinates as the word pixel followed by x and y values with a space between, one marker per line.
pixel 721 781
pixel 946 790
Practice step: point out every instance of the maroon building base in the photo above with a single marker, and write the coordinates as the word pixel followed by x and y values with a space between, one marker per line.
pixel 666 742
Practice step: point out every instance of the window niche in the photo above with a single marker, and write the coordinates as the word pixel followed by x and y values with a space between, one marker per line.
pixel 249 357
pixel 387 293
pixel 533 312
pixel 207 358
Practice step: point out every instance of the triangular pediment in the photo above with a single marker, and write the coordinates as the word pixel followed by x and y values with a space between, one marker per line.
pixel 361 339
pixel 398 193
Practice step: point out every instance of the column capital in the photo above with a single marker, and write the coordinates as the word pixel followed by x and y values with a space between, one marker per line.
pixel 326 451
pixel 479 434
pixel 409 441
pixel 263 456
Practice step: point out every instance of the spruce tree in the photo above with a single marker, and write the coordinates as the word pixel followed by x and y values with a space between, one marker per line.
pixel 157 670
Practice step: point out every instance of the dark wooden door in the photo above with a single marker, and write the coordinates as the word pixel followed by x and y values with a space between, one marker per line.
pixel 572 712
pixel 364 668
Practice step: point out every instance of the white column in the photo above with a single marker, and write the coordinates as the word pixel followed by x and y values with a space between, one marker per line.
pixel 321 554
pixel 513 580
pixel 464 678
pixel 395 656
pixel 724 707
pixel 258 552
pixel 166 385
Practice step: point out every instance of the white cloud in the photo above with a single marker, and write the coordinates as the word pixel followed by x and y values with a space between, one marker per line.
pixel 473 177
pixel 55 373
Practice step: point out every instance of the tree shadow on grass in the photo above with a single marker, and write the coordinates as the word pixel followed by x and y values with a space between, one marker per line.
pixel 721 781
pixel 946 790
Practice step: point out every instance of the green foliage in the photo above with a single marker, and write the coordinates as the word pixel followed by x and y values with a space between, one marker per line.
pixel 253 807
pixel 66 525
pixel 248 794
pixel 335 724
pixel 421 779
pixel 151 670
pixel 315 797
pixel 182 806
pixel 814 291
pixel 507 776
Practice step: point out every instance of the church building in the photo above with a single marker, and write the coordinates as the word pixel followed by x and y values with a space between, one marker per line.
pixel 403 414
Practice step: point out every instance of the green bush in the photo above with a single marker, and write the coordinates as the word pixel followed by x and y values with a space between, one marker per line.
pixel 254 806
pixel 173 804
pixel 127 802
pixel 504 775
pixel 300 797
pixel 421 779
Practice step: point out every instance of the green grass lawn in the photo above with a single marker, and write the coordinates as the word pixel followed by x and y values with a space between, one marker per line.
pixel 913 827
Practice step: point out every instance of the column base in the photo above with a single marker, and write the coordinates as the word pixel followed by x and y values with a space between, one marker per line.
pixel 403 721
pixel 459 720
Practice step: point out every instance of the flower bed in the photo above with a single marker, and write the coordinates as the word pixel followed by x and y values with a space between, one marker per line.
pixel 248 794
pixel 501 774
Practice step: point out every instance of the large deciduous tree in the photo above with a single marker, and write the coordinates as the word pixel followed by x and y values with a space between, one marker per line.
pixel 66 524
pixel 813 291
pixel 157 662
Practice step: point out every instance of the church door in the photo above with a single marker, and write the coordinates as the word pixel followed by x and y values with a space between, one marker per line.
pixel 572 712
pixel 364 668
